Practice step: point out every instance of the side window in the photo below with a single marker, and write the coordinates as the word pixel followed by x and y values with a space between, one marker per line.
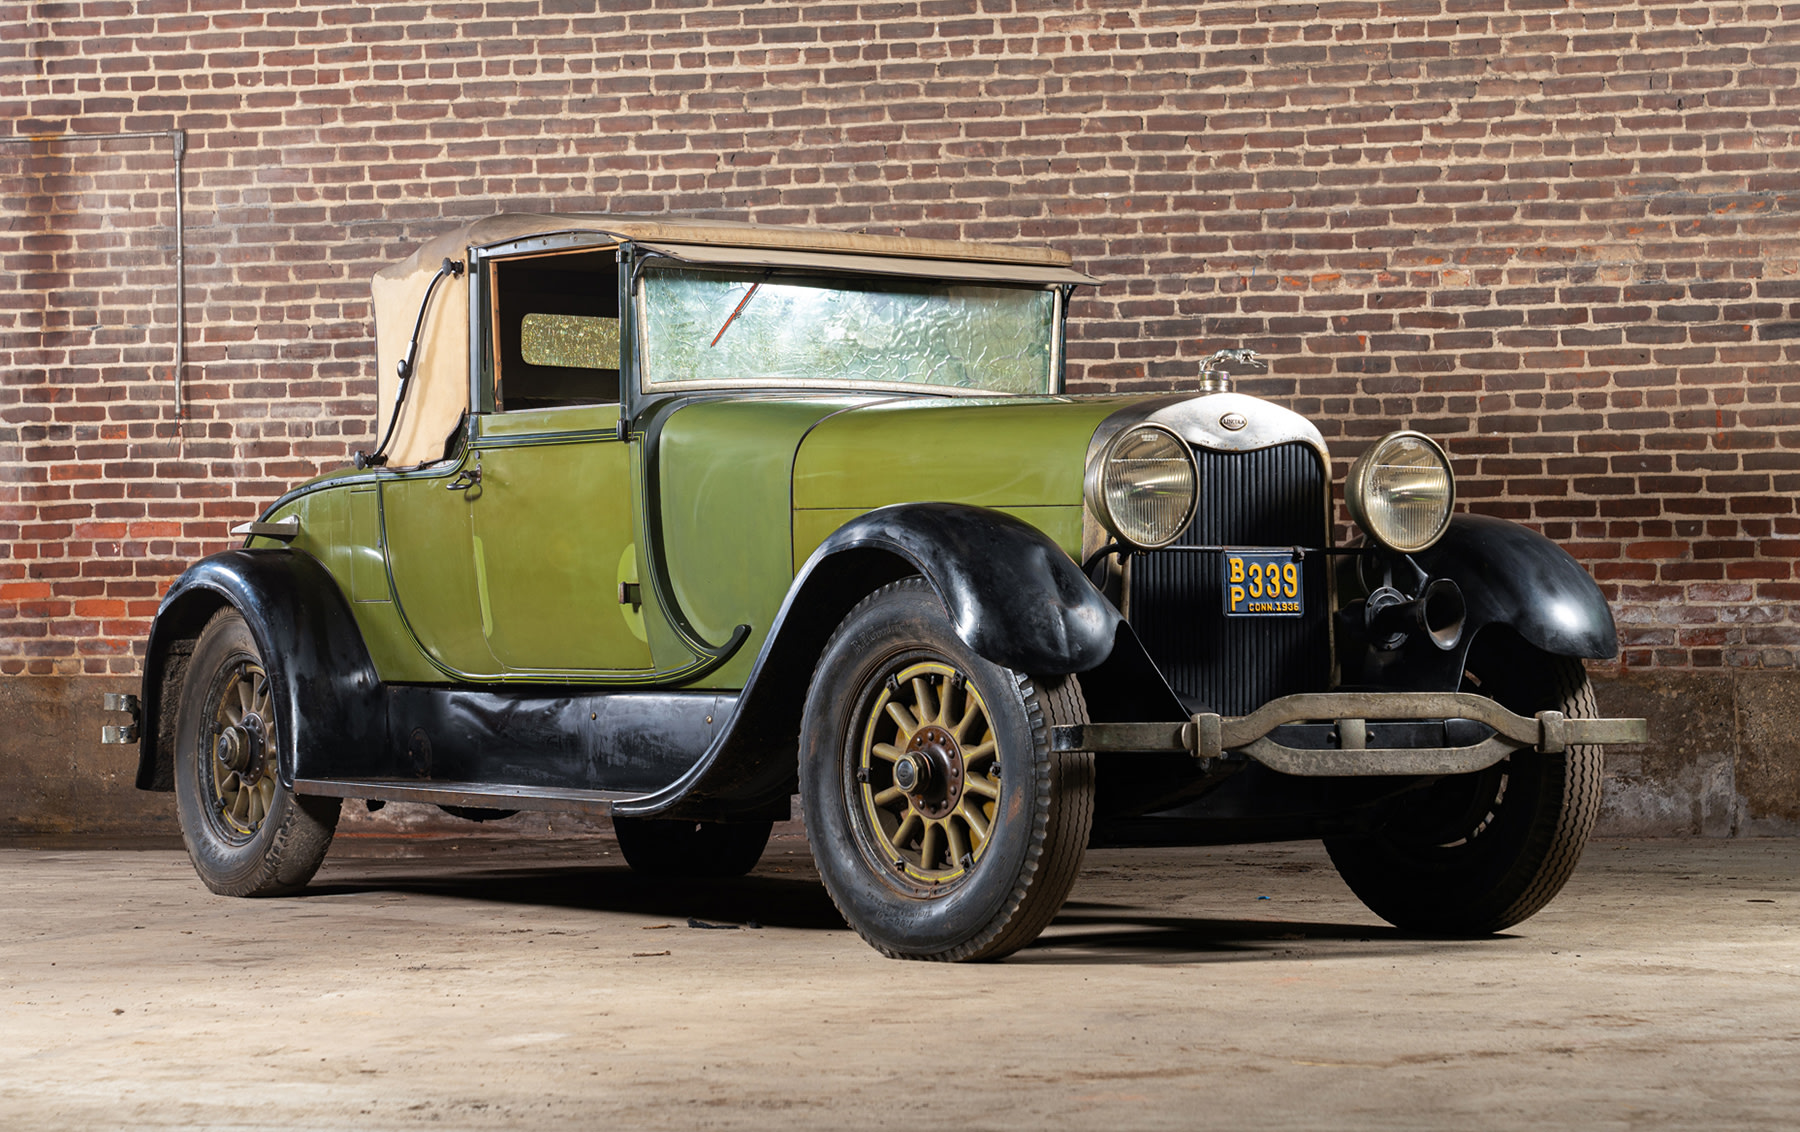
pixel 556 322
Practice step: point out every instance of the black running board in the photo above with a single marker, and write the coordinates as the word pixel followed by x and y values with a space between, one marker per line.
pixel 476 795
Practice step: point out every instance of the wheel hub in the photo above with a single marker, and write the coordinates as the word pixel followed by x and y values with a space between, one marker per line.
pixel 933 760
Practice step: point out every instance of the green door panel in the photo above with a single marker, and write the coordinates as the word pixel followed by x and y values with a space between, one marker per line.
pixel 995 453
pixel 551 521
pixel 813 527
pixel 427 532
pixel 725 475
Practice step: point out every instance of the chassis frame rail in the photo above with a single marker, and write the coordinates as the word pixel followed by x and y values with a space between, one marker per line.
pixel 1208 736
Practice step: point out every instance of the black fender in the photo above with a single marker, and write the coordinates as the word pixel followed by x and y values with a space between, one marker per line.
pixel 1014 597
pixel 318 666
pixel 1510 577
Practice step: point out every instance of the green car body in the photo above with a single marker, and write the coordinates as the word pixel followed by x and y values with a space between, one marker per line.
pixel 670 519
pixel 759 483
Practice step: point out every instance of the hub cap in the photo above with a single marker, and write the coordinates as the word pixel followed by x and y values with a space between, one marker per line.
pixel 928 773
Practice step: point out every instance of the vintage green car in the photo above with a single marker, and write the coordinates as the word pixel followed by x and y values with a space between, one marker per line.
pixel 671 519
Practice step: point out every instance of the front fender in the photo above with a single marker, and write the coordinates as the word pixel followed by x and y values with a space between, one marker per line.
pixel 1511 575
pixel 318 667
pixel 1013 596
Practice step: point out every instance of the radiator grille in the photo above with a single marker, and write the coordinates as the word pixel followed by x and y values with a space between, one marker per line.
pixel 1273 497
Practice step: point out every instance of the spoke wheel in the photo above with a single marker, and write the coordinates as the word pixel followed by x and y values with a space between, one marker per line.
pixel 929 774
pixel 241 775
pixel 942 824
pixel 246 833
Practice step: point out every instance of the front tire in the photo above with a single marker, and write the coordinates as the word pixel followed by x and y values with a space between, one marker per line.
pixel 1477 853
pixel 943 826
pixel 247 834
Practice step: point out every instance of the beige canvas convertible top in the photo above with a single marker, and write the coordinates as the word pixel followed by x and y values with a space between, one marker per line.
pixel 440 390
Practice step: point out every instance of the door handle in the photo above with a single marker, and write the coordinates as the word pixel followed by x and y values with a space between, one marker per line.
pixel 467 478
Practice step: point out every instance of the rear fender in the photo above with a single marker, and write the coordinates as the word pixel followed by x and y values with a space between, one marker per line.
pixel 318 667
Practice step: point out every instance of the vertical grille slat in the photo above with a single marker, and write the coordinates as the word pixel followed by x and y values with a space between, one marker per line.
pixel 1272 497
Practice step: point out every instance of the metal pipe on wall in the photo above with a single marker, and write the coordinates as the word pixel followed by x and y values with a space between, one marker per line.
pixel 178 143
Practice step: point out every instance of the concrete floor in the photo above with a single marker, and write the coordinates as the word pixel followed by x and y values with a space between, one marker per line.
pixel 474 983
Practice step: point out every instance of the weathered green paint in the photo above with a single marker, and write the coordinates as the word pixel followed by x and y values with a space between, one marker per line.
pixel 1026 452
pixel 813 527
pixel 368 566
pixel 725 471
pixel 552 516
pixel 427 533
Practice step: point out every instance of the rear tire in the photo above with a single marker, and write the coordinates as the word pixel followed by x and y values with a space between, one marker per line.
pixel 691 848
pixel 969 852
pixel 247 834
pixel 1476 853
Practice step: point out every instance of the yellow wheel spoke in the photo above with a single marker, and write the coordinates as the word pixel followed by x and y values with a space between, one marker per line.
pixel 891 794
pixel 886 751
pixel 982 750
pixel 971 712
pixel 903 719
pixel 904 834
pixel 925 704
pixel 959 846
pixel 928 846
pixel 978 827
pixel 982 785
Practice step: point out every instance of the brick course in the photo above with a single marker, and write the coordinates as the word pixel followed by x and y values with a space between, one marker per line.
pixel 1562 237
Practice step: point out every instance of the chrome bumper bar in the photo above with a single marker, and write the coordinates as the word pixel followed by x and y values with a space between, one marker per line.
pixel 1207 736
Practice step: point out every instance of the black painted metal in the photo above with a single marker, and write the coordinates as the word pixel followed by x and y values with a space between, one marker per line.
pixel 1511 578
pixel 311 648
pixel 1270 497
pixel 553 739
pixel 1511 575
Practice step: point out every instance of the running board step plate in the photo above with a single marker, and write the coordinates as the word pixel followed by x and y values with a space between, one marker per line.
pixel 477 795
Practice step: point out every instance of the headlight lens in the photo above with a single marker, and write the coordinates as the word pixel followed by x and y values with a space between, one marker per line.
pixel 1146 486
pixel 1401 492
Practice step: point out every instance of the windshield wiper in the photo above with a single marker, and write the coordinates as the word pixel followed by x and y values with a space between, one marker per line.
pixel 739 309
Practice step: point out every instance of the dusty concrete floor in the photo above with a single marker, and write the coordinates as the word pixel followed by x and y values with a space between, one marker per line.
pixel 474 984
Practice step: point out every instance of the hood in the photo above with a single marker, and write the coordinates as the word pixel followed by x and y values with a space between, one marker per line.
pixel 991 452
pixel 1011 452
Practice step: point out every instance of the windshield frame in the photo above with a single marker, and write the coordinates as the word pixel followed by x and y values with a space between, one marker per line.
pixel 640 331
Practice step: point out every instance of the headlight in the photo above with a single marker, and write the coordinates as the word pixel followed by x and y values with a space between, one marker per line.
pixel 1400 491
pixel 1143 488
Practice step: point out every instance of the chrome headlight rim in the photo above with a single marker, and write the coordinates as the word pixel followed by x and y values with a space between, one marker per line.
pixel 1096 486
pixel 1356 492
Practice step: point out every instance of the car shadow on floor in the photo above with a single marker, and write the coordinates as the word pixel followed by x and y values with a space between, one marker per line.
pixel 1095 933
pixel 1085 932
pixel 738 901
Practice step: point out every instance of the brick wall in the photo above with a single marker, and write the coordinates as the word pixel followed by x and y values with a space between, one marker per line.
pixel 1560 236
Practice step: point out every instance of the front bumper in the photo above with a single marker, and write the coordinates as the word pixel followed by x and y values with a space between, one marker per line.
pixel 1327 734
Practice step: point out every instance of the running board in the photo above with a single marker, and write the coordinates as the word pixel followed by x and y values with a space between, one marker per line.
pixel 476 795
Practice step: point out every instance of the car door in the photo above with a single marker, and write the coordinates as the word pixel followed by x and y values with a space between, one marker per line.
pixel 554 540
pixel 427 534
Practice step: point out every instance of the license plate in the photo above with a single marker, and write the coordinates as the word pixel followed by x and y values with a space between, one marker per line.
pixel 1264 583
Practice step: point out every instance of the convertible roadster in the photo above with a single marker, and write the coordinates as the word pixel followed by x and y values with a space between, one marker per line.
pixel 673 519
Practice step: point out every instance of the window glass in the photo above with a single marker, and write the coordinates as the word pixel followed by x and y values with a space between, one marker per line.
pixel 576 341
pixel 724 327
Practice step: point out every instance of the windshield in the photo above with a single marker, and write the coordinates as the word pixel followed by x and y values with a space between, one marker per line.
pixel 750 326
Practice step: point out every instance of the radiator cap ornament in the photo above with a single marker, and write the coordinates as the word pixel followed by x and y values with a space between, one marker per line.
pixel 1233 421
